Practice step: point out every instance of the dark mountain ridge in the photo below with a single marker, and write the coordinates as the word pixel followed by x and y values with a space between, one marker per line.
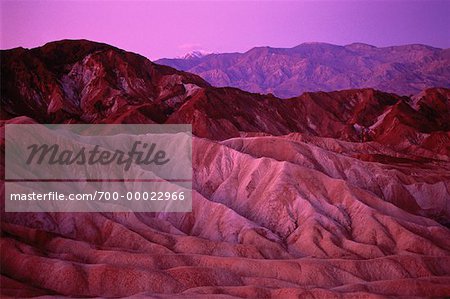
pixel 82 81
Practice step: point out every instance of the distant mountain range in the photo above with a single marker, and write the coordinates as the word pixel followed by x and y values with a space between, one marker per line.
pixel 288 72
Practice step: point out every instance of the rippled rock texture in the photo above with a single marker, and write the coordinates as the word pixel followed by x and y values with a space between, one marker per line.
pixel 323 195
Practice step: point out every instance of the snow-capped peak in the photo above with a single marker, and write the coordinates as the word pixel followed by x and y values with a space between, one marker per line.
pixel 195 54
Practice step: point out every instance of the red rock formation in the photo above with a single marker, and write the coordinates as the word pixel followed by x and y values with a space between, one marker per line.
pixel 326 194
pixel 81 81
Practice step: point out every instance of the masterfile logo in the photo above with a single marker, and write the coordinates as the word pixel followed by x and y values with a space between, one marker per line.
pixel 82 168
pixel 140 153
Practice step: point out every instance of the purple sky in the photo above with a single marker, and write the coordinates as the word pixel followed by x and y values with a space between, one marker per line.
pixel 171 28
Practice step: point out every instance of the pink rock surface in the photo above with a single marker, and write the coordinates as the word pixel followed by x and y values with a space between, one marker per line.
pixel 324 195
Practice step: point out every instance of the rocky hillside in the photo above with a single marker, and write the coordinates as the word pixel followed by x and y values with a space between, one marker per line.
pixel 320 195
pixel 404 70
